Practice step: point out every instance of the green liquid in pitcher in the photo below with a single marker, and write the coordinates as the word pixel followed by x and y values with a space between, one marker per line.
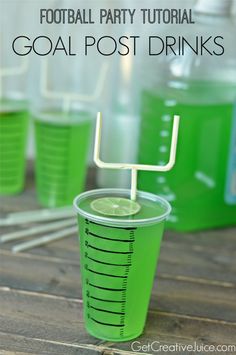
pixel 196 185
pixel 118 267
pixel 13 134
pixel 62 143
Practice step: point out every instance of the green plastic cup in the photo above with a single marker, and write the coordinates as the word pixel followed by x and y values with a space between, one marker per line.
pixel 13 136
pixel 62 142
pixel 118 263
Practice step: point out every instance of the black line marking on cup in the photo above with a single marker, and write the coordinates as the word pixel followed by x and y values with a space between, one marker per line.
pixel 103 274
pixel 131 247
pixel 110 239
pixel 108 324
pixel 108 251
pixel 115 227
pixel 104 300
pixel 106 311
pixel 124 282
pixel 106 288
pixel 104 263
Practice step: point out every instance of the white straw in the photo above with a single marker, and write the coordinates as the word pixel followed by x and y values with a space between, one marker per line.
pixel 135 167
pixel 67 97
pixel 12 71
pixel 133 184
pixel 36 230
pixel 36 216
pixel 44 240
pixel 42 212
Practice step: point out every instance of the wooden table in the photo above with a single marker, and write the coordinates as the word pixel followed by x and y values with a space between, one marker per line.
pixel 193 298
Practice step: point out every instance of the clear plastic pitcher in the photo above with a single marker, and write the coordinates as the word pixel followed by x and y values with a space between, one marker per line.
pixel 202 90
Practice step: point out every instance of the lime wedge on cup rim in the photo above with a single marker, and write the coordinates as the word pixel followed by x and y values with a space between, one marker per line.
pixel 115 206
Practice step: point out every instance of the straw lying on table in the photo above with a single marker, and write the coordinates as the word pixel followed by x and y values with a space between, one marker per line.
pixel 36 216
pixel 44 240
pixel 9 237
pixel 66 227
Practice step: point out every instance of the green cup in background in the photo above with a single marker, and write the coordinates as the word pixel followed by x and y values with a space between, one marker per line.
pixel 118 263
pixel 13 137
pixel 62 142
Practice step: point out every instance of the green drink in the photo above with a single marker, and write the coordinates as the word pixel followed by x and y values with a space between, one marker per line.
pixel 197 186
pixel 62 142
pixel 13 134
pixel 118 262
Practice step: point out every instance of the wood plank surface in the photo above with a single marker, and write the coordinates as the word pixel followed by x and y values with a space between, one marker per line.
pixel 193 297
pixel 19 345
pixel 59 278
pixel 59 319
pixel 184 260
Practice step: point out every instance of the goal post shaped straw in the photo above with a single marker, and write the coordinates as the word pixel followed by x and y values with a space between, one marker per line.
pixel 13 71
pixel 67 97
pixel 135 167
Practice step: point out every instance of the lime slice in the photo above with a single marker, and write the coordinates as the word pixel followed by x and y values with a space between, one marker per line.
pixel 115 206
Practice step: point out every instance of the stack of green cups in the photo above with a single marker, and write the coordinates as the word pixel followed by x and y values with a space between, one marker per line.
pixel 13 136
pixel 62 142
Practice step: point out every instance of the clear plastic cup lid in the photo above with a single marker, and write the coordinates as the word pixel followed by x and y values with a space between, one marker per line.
pixel 154 209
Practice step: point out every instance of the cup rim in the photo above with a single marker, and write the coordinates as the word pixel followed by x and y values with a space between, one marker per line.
pixel 49 116
pixel 121 222
pixel 13 104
